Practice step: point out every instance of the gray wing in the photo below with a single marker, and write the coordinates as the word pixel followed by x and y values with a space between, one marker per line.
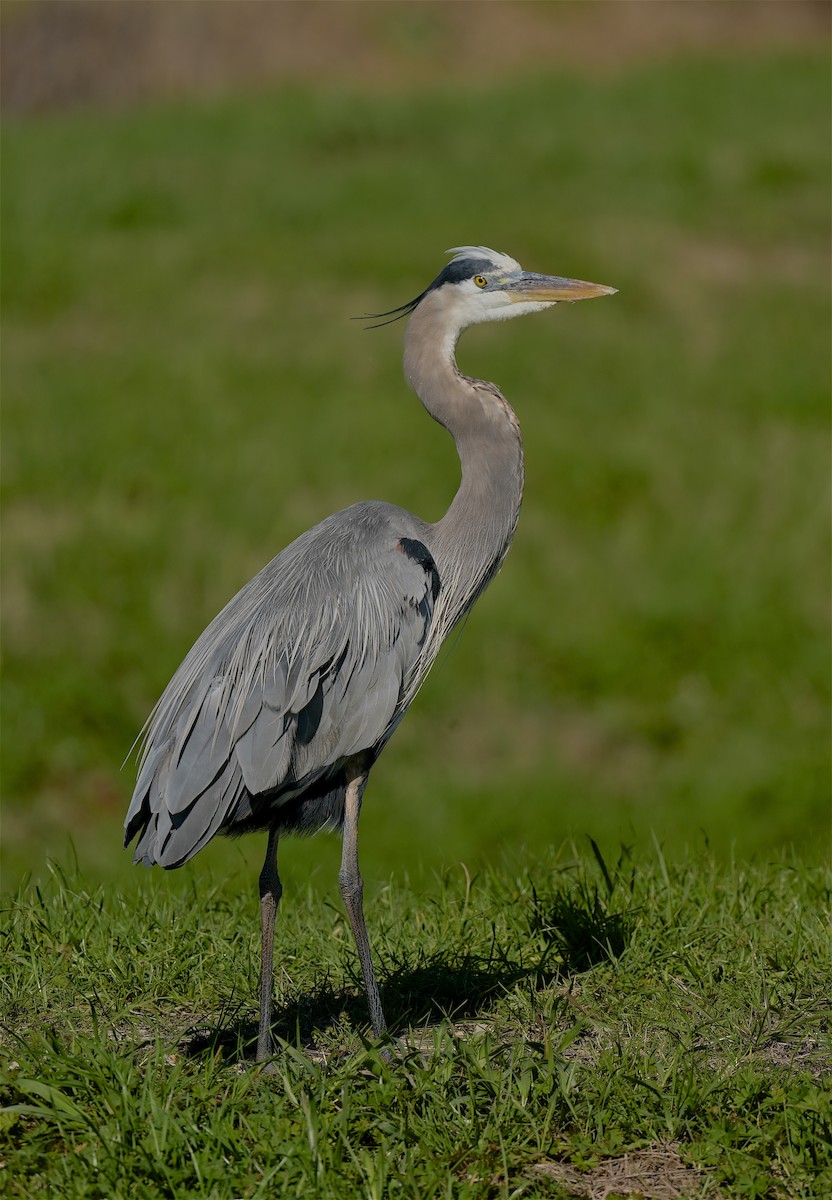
pixel 307 666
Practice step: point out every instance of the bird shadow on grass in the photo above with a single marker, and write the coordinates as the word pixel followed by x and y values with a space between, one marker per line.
pixel 582 931
pixel 571 929
pixel 588 921
pixel 443 986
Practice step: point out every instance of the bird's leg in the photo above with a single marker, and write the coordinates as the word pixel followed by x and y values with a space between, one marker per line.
pixel 352 893
pixel 270 893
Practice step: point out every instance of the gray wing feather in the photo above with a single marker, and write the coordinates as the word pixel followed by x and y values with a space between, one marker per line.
pixel 199 751
pixel 264 751
pixel 307 666
pixel 214 803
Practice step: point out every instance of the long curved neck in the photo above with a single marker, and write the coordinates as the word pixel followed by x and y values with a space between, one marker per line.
pixel 470 542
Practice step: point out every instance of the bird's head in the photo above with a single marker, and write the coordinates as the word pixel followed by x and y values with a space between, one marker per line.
pixel 479 285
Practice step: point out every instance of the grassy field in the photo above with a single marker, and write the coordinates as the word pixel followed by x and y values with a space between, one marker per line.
pixel 560 1025
pixel 183 392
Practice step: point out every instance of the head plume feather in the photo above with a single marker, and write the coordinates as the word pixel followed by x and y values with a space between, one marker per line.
pixel 475 259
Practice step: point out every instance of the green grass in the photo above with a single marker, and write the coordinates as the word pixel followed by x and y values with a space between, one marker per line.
pixel 552 1015
pixel 184 392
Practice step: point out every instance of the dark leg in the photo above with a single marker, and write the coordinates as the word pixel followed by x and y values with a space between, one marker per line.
pixel 270 892
pixel 352 892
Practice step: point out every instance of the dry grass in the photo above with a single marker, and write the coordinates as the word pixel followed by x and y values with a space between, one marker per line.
pixel 61 53
pixel 657 1173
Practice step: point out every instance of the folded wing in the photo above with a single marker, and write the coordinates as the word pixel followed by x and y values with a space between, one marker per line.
pixel 306 667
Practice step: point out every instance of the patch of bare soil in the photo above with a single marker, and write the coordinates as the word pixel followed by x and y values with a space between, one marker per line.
pixel 62 53
pixel 806 1055
pixel 657 1173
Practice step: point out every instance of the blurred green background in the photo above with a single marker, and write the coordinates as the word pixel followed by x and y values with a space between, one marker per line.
pixel 185 238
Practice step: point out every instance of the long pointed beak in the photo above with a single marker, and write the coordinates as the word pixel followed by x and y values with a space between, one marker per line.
pixel 548 289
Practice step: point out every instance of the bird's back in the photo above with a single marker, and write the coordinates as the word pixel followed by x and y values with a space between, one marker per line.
pixel 306 667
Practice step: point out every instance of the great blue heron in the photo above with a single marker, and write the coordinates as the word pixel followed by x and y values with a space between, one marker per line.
pixel 277 714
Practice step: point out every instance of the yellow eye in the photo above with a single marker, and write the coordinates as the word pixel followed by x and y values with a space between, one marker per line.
pixel 480 280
